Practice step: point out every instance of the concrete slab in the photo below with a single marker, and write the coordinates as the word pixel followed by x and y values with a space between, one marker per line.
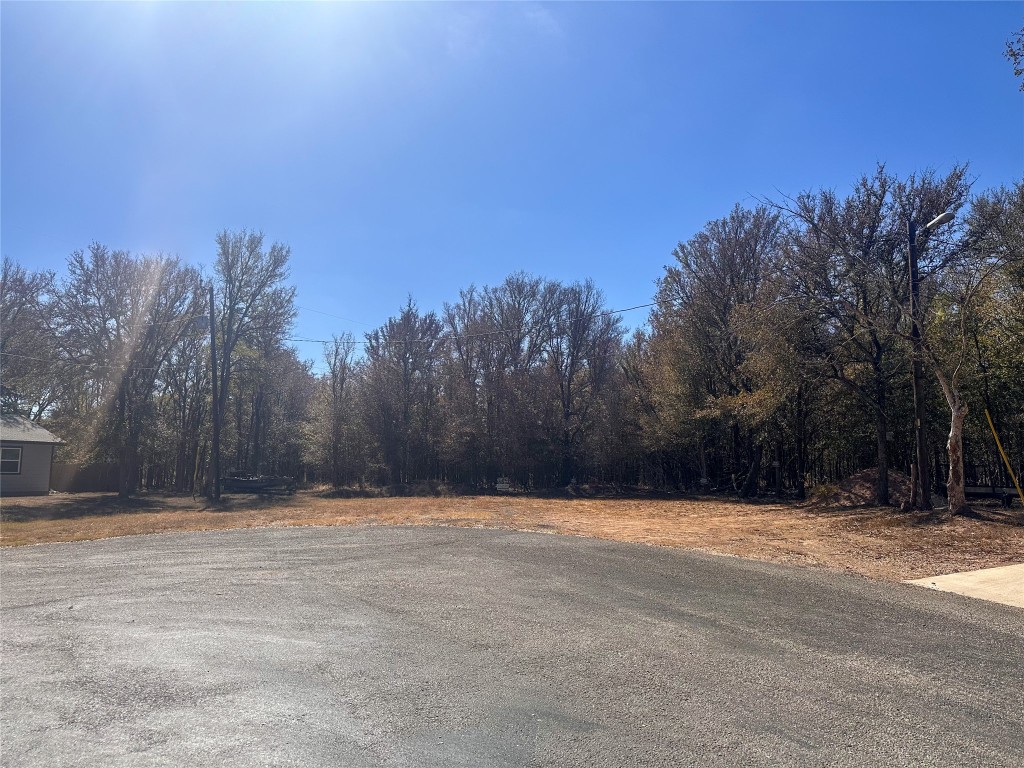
pixel 1000 585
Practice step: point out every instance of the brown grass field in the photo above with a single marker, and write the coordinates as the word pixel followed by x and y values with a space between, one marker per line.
pixel 878 543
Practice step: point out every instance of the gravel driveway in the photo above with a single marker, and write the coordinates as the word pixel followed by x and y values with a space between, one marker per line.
pixel 453 647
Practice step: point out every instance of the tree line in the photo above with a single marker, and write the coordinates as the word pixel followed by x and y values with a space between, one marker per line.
pixel 778 354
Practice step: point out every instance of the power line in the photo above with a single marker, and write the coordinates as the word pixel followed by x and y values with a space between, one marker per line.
pixel 353 342
pixel 59 361
pixel 465 336
pixel 338 317
pixel 168 322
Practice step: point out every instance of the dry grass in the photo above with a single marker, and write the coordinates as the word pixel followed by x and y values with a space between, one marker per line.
pixel 879 543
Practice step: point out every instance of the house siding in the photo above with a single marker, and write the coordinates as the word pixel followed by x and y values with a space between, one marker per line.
pixel 34 478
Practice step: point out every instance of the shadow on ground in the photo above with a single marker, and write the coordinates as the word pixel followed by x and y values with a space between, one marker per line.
pixel 74 506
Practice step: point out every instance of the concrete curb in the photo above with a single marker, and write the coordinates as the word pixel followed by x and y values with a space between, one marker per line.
pixel 999 585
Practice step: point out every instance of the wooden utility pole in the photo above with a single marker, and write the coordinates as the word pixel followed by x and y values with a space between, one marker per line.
pixel 921 493
pixel 215 453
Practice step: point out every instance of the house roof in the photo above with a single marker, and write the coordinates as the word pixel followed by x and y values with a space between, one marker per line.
pixel 19 429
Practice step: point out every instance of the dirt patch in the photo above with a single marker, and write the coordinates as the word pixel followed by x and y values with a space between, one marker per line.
pixel 876 542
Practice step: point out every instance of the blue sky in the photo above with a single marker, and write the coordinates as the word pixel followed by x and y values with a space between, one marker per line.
pixel 420 148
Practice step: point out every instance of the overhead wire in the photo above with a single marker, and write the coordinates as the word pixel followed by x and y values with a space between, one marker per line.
pixel 465 336
pixel 328 314
pixel 60 361
pixel 351 342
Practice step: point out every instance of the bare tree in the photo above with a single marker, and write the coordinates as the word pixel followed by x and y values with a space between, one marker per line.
pixel 184 408
pixel 402 358
pixel 965 270
pixel 1015 53
pixel 845 261
pixel 519 319
pixel 719 270
pixel 339 355
pixel 31 373
pixel 581 348
pixel 118 319
pixel 254 305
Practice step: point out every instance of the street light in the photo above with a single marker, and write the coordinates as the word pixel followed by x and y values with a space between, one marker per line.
pixel 938 221
pixel 921 451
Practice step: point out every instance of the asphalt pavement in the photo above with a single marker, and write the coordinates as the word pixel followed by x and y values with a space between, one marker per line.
pixel 451 647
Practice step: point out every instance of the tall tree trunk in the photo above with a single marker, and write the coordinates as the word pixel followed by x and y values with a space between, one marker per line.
pixel 778 468
pixel 239 437
pixel 568 469
pixel 257 432
pixel 882 438
pixel 753 475
pixel 129 464
pixel 125 474
pixel 911 503
pixel 955 445
pixel 126 467
pixel 882 481
pixel 801 444
pixel 336 451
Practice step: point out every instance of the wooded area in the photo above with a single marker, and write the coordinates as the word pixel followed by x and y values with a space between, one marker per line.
pixel 778 355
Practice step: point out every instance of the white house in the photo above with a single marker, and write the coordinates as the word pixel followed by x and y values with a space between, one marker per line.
pixel 26 456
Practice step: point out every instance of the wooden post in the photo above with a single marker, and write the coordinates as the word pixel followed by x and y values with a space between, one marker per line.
pixel 924 499
pixel 215 453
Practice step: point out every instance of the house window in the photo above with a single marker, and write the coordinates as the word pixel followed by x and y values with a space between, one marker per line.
pixel 10 461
